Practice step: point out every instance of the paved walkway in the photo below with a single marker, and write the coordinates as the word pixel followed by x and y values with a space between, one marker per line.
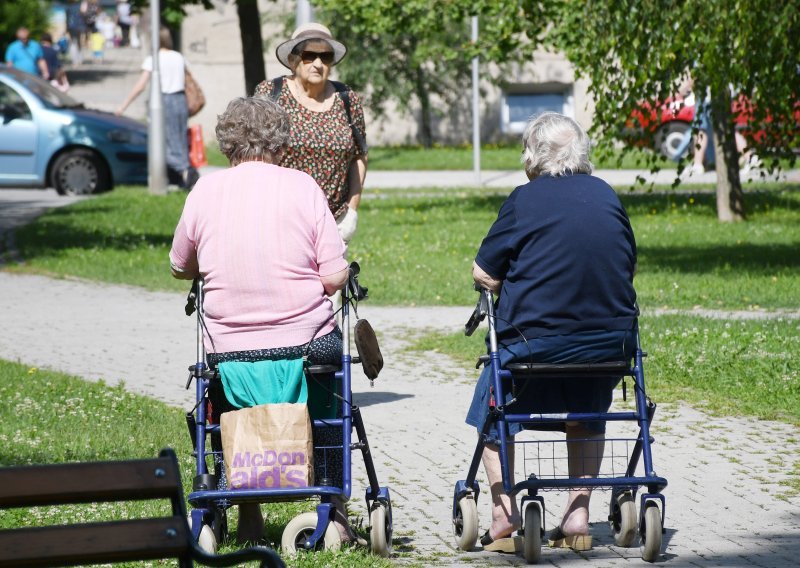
pixel 724 501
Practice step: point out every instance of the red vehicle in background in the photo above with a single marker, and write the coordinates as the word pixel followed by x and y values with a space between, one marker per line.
pixel 663 126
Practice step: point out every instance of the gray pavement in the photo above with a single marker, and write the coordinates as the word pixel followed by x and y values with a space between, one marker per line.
pixel 726 506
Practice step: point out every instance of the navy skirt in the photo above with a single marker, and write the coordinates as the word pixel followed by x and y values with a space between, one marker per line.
pixel 555 395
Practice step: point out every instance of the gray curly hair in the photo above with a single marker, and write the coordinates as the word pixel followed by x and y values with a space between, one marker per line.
pixel 253 129
pixel 555 145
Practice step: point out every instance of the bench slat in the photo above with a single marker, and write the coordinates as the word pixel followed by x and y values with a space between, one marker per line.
pixel 90 543
pixel 56 484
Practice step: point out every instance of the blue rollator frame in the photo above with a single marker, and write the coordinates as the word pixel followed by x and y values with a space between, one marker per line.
pixel 309 531
pixel 622 510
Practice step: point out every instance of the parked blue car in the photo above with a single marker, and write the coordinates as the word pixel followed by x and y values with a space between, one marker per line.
pixel 48 139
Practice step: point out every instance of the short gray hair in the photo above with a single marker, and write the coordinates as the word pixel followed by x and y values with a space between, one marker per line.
pixel 555 145
pixel 253 129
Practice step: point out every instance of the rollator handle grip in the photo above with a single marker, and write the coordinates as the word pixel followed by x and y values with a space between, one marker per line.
pixel 480 311
pixel 191 299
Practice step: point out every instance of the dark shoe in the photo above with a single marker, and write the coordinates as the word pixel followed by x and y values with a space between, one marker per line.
pixel 510 544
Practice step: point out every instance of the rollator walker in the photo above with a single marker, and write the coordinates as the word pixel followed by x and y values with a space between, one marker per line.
pixel 308 531
pixel 624 485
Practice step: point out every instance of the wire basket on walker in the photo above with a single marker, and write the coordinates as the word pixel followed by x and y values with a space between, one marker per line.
pixel 210 499
pixel 546 461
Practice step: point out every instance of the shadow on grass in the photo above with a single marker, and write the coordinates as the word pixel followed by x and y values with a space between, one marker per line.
pixel 57 231
pixel 739 258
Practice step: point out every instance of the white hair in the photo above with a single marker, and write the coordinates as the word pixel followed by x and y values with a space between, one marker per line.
pixel 555 145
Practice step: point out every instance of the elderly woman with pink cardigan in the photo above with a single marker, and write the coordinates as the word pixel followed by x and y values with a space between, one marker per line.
pixel 266 245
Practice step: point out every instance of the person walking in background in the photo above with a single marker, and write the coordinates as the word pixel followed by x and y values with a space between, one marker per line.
pixel 91 11
pixel 26 55
pixel 58 77
pixel 76 29
pixel 172 71
pixel 124 22
pixel 328 134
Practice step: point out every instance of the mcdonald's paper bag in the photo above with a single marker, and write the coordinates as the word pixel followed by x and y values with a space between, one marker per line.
pixel 268 446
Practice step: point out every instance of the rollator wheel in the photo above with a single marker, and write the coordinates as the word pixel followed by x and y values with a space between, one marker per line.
pixel 532 541
pixel 302 527
pixel 380 532
pixel 465 523
pixel 623 518
pixel 207 541
pixel 651 533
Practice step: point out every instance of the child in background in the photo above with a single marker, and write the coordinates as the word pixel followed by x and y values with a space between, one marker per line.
pixel 98 43
pixel 106 26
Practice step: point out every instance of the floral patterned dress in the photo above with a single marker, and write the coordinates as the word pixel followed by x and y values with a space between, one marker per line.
pixel 321 143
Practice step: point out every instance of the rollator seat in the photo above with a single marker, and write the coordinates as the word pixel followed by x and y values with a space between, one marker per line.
pixel 609 368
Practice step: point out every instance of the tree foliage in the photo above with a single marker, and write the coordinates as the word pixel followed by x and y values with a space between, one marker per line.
pixel 21 13
pixel 418 53
pixel 172 11
pixel 633 51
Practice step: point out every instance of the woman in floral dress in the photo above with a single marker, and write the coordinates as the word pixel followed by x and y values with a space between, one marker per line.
pixel 327 131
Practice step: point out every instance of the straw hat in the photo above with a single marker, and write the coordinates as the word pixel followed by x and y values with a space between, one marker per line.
pixel 307 32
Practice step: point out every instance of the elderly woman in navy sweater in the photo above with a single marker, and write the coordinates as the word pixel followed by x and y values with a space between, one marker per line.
pixel 561 257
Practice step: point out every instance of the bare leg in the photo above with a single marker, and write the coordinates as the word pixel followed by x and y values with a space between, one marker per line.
pixel 505 514
pixel 346 533
pixel 251 523
pixel 585 453
pixel 701 144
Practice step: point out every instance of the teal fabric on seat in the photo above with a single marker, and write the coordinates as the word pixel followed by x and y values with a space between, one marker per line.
pixel 264 382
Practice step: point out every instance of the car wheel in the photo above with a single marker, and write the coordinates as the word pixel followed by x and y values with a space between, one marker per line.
pixel 79 172
pixel 669 137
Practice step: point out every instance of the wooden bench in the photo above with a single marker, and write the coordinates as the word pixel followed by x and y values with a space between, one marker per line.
pixel 112 541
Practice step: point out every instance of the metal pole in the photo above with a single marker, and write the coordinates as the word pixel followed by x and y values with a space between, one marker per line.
pixel 304 13
pixel 476 126
pixel 156 140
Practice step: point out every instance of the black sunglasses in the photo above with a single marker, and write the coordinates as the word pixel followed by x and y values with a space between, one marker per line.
pixel 310 56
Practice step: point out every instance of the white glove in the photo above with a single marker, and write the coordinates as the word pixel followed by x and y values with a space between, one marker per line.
pixel 347 224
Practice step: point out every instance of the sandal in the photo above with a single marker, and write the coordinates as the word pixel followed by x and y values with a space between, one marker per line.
pixel 510 544
pixel 577 542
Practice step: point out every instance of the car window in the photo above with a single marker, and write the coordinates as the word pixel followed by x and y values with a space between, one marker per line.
pixel 12 105
pixel 51 96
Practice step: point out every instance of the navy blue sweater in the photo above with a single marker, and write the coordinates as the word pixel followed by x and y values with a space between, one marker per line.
pixel 564 249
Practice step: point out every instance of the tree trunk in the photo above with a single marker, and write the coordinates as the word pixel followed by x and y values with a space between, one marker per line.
pixel 425 135
pixel 252 44
pixel 730 197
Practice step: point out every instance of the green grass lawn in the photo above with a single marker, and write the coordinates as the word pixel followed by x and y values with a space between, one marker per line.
pixel 418 250
pixel 728 367
pixel 493 157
